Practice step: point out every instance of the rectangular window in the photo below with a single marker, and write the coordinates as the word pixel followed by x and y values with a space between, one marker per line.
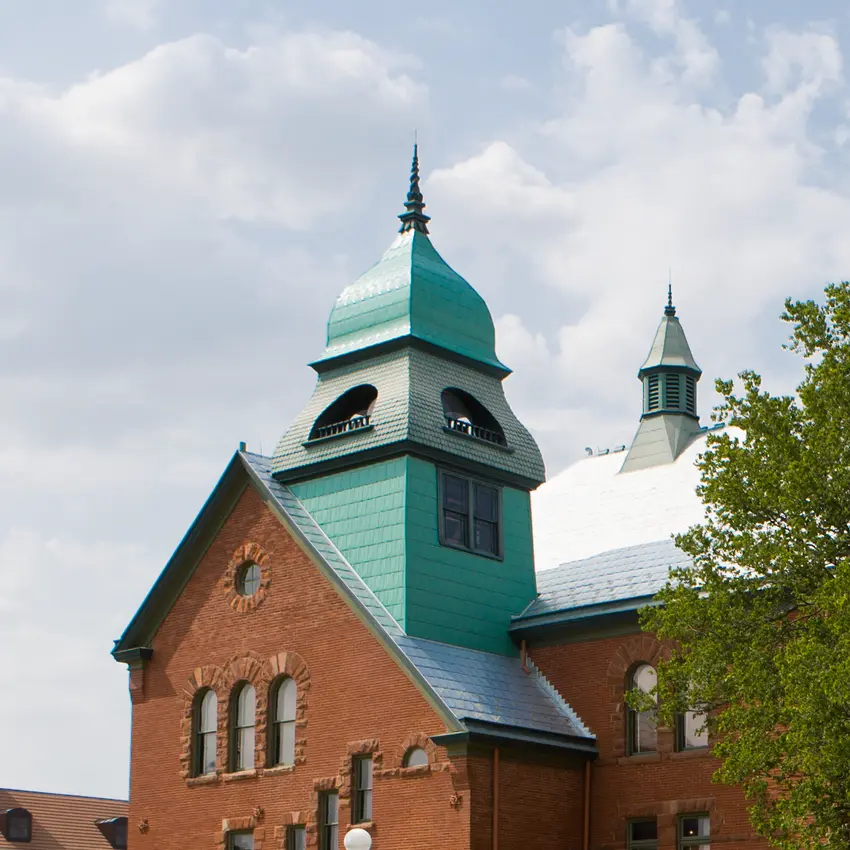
pixel 642 835
pixel 693 832
pixel 691 733
pixel 328 820
pixel 362 789
pixel 296 838
pixel 470 515
pixel 240 841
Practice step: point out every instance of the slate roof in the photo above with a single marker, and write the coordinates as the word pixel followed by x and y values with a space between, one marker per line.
pixel 62 821
pixel 468 684
pixel 633 572
pixel 412 291
pixel 409 407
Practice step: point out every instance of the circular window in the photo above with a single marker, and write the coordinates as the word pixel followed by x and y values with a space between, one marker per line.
pixel 248 580
pixel 415 757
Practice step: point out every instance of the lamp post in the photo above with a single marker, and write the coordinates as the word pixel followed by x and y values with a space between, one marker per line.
pixel 357 839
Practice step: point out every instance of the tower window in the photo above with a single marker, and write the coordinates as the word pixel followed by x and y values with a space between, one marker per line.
pixel 653 393
pixel 690 394
pixel 352 411
pixel 466 415
pixel 672 387
pixel 470 515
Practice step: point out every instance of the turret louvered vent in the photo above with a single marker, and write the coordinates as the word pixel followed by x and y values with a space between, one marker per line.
pixel 653 393
pixel 672 386
pixel 690 394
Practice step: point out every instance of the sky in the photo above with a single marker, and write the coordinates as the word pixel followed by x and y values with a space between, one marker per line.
pixel 186 186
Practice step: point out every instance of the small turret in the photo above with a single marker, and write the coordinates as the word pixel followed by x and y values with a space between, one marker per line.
pixel 669 375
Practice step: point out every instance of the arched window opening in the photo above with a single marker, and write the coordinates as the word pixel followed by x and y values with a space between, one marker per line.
pixel 350 412
pixel 206 728
pixel 244 718
pixel 466 415
pixel 642 730
pixel 17 825
pixel 415 757
pixel 283 700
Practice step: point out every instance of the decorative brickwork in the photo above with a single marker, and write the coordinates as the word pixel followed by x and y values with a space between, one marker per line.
pixel 247 553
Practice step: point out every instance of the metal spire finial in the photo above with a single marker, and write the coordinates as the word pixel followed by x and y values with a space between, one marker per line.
pixel 414 218
pixel 670 310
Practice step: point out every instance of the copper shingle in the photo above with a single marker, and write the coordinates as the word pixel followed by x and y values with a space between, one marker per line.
pixel 61 821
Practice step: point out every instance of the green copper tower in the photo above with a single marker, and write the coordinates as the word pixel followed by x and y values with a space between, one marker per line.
pixel 669 375
pixel 408 454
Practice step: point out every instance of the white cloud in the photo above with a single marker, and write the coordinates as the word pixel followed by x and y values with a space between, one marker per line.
pixel 139 14
pixel 638 173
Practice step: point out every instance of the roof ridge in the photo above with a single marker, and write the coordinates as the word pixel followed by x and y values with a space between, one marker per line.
pixel 63 794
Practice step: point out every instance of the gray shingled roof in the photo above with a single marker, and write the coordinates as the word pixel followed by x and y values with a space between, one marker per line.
pixel 471 685
pixel 615 576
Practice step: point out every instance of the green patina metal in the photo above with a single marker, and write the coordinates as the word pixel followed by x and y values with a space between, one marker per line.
pixel 411 293
pixel 384 518
pixel 408 330
pixel 669 375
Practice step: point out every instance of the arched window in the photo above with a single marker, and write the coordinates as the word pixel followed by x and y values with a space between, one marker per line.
pixel 283 700
pixel 350 412
pixel 467 415
pixel 642 732
pixel 206 727
pixel 242 737
pixel 415 757
pixel 17 825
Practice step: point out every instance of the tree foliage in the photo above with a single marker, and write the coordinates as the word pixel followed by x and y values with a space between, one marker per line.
pixel 761 620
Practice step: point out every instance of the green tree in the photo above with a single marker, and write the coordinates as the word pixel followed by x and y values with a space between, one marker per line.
pixel 761 620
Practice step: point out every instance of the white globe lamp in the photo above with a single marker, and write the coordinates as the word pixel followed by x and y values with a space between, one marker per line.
pixel 357 839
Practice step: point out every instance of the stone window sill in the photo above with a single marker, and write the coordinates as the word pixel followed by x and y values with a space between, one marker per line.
pixel 368 825
pixel 691 753
pixel 279 770
pixel 640 758
pixel 206 779
pixel 241 774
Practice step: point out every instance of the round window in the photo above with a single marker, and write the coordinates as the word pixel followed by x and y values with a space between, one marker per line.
pixel 248 582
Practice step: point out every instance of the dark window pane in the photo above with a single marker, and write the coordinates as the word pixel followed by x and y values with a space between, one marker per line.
pixel 296 838
pixel 486 503
pixel 208 754
pixel 455 494
pixel 644 830
pixel 249 580
pixel 455 528
pixel 19 828
pixel 242 841
pixel 486 536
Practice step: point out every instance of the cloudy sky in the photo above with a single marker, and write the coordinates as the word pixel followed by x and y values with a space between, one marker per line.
pixel 185 186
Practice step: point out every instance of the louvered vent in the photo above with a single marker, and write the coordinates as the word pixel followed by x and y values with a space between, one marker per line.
pixel 691 395
pixel 653 393
pixel 673 400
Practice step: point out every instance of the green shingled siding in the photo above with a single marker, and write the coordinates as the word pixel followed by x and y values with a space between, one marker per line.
pixel 457 596
pixel 362 512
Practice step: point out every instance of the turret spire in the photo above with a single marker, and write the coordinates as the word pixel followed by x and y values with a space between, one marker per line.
pixel 670 310
pixel 414 218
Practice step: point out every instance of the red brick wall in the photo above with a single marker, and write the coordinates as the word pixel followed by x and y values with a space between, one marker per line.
pixel 591 676
pixel 357 698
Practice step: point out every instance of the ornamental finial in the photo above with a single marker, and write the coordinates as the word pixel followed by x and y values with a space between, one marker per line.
pixel 414 218
pixel 670 310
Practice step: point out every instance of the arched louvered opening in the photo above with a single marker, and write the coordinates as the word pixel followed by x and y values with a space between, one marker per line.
pixel 673 391
pixel 466 415
pixel 653 393
pixel 350 412
pixel 690 395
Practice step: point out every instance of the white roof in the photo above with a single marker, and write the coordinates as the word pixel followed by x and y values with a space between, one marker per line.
pixel 588 508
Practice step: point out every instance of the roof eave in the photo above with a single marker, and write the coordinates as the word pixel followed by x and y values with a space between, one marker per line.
pixel 526 623
pixel 482 731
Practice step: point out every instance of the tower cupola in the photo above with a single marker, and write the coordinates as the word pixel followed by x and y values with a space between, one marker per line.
pixel 669 377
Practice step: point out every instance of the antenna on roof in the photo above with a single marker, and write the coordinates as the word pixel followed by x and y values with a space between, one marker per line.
pixel 669 310
pixel 414 217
